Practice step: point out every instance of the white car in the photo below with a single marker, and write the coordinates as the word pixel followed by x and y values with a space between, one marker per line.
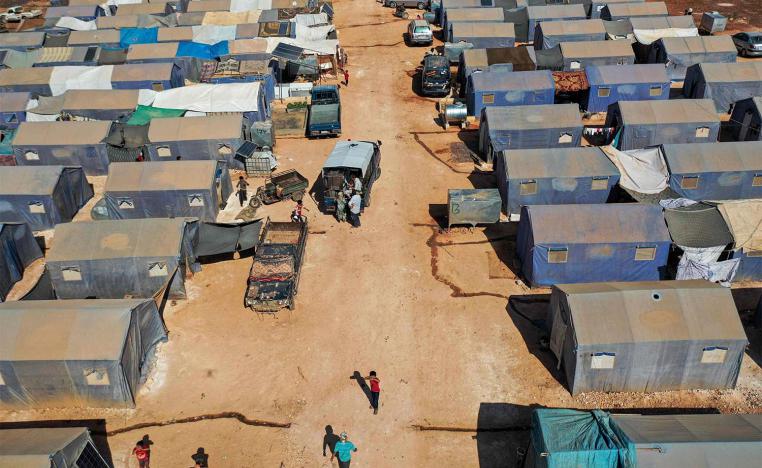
pixel 17 13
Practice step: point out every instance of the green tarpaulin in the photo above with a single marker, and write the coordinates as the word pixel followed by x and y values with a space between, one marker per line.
pixel 144 114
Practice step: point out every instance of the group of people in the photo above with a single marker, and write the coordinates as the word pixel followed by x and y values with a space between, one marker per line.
pixel 349 203
pixel 142 452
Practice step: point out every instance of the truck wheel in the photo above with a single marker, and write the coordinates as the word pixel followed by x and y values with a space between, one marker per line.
pixel 296 196
pixel 255 202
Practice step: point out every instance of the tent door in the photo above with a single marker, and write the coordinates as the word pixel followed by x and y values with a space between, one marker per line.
pixel 558 334
pixel 745 126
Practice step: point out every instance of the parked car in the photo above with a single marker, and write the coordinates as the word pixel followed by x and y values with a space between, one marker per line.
pixel 350 159
pixel 17 13
pixel 419 32
pixel 420 4
pixel 325 112
pixel 435 76
pixel 749 44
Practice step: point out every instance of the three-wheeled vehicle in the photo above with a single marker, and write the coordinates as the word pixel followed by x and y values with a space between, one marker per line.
pixel 350 158
pixel 280 186
pixel 274 275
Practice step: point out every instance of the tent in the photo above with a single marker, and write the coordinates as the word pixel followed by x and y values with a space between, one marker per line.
pixel 155 76
pixel 13 108
pixel 60 447
pixel 198 138
pixel 715 171
pixel 508 88
pixel 744 219
pixel 22 41
pixel 549 34
pixel 618 30
pixel 95 352
pixel 471 15
pixel 483 35
pixel 42 196
pixel 624 11
pixel 247 71
pixel 553 176
pixel 586 243
pixel 32 80
pixel 455 4
pixel 80 12
pixel 246 98
pixel 548 13
pixel 578 55
pixel 167 189
pixel 145 8
pixel 647 123
pixel 679 53
pixel 745 119
pixel 654 23
pixel 724 83
pixel 646 336
pixel 124 258
pixel 19 249
pixel 96 104
pixel 97 37
pixel 596 6
pixel 527 127
pixel 494 59
pixel 613 83
pixel 67 56
pixel 71 143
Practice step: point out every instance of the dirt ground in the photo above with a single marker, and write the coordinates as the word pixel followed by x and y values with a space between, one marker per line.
pixel 426 309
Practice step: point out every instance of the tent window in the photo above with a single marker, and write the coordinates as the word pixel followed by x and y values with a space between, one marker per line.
pixel 574 65
pixel 156 86
pixel 157 269
pixel 689 182
pixel 602 360
pixel 558 255
pixel 645 253
pixel 655 91
pixel 36 207
pixel 12 118
pixel 31 156
pixel 195 200
pixel 565 137
pixel 164 152
pixel 528 187
pixel 224 150
pixel 125 204
pixel 71 273
pixel 757 181
pixel 488 99
pixel 604 92
pixel 713 355
pixel 599 183
pixel 702 132
pixel 96 376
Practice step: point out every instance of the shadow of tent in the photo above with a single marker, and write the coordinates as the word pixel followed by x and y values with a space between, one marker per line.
pixel 502 239
pixel 747 300
pixel 502 431
pixel 471 139
pixel 97 429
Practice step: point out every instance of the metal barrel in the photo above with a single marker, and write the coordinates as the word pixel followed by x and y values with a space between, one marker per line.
pixel 455 112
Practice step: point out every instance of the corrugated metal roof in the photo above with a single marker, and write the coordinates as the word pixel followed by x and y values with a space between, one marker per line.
pixel 533 116
pixel 29 180
pixel 215 127
pixel 465 30
pixel 592 49
pixel 562 28
pixel 14 102
pixel 597 224
pixel 699 45
pixel 512 81
pixel 61 133
pixel 557 162
pixel 626 74
pixel 160 176
pixel 731 72
pixel 556 11
pixel 668 112
pixel 652 311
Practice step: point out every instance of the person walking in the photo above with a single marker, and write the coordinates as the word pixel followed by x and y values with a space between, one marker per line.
pixel 241 185
pixel 142 452
pixel 343 450
pixel 346 77
pixel 355 206
pixel 200 458
pixel 296 215
pixel 341 207
pixel 375 390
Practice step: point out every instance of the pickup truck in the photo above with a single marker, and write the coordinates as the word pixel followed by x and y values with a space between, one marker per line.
pixel 17 13
pixel 325 112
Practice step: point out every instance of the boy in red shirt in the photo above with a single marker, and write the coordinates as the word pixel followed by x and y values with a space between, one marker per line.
pixel 375 390
pixel 142 452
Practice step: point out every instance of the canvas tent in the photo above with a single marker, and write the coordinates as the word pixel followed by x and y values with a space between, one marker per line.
pixel 510 88
pixel 98 37
pixel 609 336
pixel 94 355
pixel 549 34
pixel 553 176
pixel 124 258
pixel 746 119
pixel 548 13
pixel 96 104
pixel 61 447
pixel 654 23
pixel 596 6
pixel 613 83
pixel 13 108
pixel 715 171
pixel 167 189
pixel 586 243
pixel 744 219
pixel 155 76
pixel 624 11
pixel 471 15
pixel 647 123
pixel 679 53
pixel 22 41
pixel 455 4
pixel 579 55
pixel 42 196
pixel 19 249
pixel 246 98
pixel 723 83
pixel 527 127
pixel 482 35
pixel 71 143
pixel 494 59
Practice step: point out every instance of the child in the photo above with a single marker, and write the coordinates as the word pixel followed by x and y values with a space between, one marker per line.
pixel 375 390
pixel 296 215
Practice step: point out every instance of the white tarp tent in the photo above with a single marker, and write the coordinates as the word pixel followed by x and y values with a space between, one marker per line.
pixel 229 97
pixel 212 33
pixel 324 47
pixel 647 36
pixel 313 27
pixel 75 24
pixel 80 77
pixel 642 170
pixel 248 5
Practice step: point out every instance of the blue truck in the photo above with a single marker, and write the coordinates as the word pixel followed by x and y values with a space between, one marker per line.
pixel 325 112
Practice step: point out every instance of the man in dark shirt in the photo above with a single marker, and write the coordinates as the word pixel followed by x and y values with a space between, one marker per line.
pixel 241 185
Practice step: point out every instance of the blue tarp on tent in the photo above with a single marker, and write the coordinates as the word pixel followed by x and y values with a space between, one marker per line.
pixel 562 438
pixel 129 36
pixel 202 51
pixel 614 83
pixel 588 243
pixel 509 89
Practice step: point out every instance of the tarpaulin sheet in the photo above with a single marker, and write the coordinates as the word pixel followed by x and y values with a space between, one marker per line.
pixel 647 36
pixel 144 114
pixel 212 34
pixel 643 171
pixel 228 97
pixel 202 51
pixel 227 18
pixel 744 219
pixel 325 47
pixel 18 249
pixel 75 24
pixel 73 77
pixel 247 5
pixel 702 264
pixel 128 36
pixel 216 239
pixel 697 225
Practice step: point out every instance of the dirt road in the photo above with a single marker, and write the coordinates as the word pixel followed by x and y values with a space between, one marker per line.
pixel 395 296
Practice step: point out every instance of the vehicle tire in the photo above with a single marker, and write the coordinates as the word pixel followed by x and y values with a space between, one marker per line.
pixel 255 202
pixel 392 4
pixel 296 196
pixel 421 6
pixel 405 15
